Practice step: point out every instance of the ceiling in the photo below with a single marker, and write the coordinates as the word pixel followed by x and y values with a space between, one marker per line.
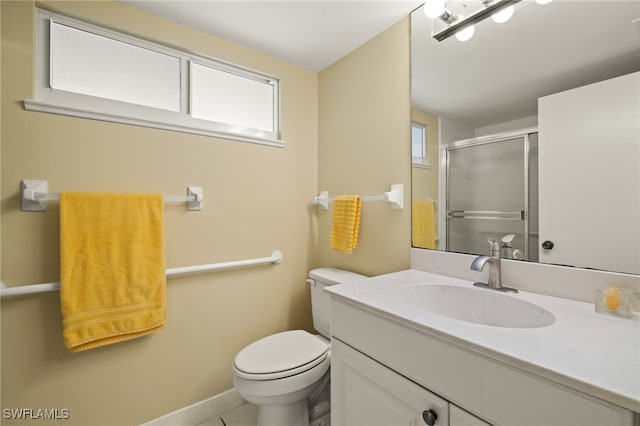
pixel 496 76
pixel 306 33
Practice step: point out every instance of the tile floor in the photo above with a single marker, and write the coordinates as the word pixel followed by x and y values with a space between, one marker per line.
pixel 244 415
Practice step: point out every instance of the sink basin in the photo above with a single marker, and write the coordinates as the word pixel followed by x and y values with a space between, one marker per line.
pixel 480 306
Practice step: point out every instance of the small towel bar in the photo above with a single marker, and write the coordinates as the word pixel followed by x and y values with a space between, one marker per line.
pixel 275 258
pixel 395 197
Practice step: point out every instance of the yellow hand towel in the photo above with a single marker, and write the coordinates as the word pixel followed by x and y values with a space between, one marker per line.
pixel 112 267
pixel 346 223
pixel 423 224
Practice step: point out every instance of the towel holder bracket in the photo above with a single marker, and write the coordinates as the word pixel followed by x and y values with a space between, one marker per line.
pixel 395 197
pixel 34 195
pixel 323 200
pixel 195 191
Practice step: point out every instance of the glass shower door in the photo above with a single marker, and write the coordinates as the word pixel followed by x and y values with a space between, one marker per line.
pixel 487 195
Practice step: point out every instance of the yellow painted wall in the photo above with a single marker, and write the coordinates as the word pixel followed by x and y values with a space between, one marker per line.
pixel 256 200
pixel 364 147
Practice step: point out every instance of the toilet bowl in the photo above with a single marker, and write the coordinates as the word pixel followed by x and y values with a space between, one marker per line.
pixel 279 372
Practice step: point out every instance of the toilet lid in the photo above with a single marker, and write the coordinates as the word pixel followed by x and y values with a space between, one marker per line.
pixel 281 352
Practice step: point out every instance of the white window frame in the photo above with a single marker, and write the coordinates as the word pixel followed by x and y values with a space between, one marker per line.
pixel 49 100
pixel 423 161
pixel 249 75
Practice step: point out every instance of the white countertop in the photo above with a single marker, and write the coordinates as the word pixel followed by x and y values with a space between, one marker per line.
pixel 594 353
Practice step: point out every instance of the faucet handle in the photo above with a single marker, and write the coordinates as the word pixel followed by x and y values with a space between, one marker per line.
pixel 494 247
pixel 508 238
pixel 517 254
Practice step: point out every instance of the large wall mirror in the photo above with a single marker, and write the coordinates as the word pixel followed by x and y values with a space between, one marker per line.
pixel 485 165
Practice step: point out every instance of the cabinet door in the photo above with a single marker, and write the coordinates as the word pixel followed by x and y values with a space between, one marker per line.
pixel 365 392
pixel 459 417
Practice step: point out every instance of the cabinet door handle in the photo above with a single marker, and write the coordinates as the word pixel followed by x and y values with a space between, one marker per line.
pixel 430 417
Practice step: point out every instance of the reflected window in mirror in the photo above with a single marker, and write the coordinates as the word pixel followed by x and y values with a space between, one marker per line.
pixel 420 145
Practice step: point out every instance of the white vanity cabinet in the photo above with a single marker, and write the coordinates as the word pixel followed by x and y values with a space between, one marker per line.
pixel 387 372
pixel 459 417
pixel 369 394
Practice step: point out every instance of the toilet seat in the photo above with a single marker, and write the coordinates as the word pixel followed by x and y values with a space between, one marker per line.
pixel 280 355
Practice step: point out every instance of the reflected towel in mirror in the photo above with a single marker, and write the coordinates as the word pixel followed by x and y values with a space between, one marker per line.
pixel 423 224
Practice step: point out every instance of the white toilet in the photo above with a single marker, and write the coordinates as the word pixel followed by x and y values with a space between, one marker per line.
pixel 279 372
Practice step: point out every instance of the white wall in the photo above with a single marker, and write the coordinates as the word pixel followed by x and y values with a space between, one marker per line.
pixel 590 148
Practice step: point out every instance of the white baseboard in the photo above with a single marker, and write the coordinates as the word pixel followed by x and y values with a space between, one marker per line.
pixel 200 411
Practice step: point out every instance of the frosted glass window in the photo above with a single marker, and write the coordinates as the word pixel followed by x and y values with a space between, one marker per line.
pixel 417 141
pixel 419 145
pixel 90 64
pixel 237 100
pixel 87 71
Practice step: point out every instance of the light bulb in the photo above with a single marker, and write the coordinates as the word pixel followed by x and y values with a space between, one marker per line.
pixel 467 33
pixel 503 15
pixel 434 8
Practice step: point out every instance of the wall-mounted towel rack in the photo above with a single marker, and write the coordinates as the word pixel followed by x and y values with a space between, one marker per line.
pixel 35 194
pixel 275 258
pixel 395 197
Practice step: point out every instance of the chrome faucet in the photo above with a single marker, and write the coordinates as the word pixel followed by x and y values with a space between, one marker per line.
pixel 495 273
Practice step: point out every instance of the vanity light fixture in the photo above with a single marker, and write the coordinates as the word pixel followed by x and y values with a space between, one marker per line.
pixel 466 33
pixel 436 9
pixel 463 26
pixel 504 15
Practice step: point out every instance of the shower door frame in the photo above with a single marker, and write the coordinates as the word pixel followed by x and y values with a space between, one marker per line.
pixel 444 179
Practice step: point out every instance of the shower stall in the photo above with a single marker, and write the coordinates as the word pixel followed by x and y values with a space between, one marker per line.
pixel 491 191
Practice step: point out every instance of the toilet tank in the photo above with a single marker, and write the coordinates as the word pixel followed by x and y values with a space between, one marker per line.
pixel 320 300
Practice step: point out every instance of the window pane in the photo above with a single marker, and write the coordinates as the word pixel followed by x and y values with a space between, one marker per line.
pixel 233 99
pixel 89 64
pixel 417 141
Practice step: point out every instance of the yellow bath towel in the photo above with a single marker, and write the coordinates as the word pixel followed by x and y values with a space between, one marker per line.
pixel 346 223
pixel 112 267
pixel 423 224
